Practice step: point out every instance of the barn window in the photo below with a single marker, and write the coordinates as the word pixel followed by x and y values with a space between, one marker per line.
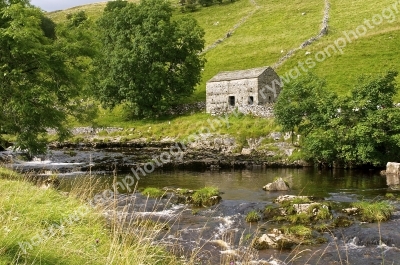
pixel 250 100
pixel 231 100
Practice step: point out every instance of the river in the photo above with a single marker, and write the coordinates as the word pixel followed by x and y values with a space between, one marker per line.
pixel 241 191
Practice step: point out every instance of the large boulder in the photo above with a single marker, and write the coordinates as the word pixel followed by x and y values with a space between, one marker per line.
pixel 277 185
pixel 393 168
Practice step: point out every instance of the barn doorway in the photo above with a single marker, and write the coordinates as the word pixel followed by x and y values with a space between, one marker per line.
pixel 231 101
pixel 250 100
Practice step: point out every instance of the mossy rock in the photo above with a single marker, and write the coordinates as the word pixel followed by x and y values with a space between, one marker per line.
pixel 207 196
pixel 342 221
pixel 270 212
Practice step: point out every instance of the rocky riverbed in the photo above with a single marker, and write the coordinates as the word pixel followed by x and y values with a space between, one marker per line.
pixel 209 152
pixel 221 235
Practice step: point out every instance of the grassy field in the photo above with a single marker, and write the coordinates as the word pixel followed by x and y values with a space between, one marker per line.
pixel 269 29
pixel 372 53
pixel 42 226
pixel 277 26
pixel 179 127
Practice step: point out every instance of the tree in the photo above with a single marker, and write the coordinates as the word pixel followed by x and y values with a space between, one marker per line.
pixel 360 129
pixel 38 77
pixel 305 104
pixel 149 60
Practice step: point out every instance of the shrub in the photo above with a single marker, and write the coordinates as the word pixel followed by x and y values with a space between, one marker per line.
pixel 374 211
pixel 201 196
pixel 252 216
pixel 153 192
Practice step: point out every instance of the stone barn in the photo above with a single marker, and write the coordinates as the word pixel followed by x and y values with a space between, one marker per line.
pixel 252 87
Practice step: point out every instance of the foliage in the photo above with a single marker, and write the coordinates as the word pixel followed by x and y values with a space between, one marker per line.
pixel 252 216
pixel 191 5
pixel 153 192
pixel 149 60
pixel 39 75
pixel 362 128
pixel 202 195
pixel 374 211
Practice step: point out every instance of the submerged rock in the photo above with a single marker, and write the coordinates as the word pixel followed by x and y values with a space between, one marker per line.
pixel 285 198
pixel 277 185
pixel 351 211
pixel 304 207
pixel 212 201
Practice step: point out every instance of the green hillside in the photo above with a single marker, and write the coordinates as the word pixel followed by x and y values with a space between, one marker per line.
pixel 265 30
pixel 262 32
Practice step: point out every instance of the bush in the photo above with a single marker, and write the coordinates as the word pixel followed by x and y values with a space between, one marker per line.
pixel 252 216
pixel 153 192
pixel 201 196
pixel 374 211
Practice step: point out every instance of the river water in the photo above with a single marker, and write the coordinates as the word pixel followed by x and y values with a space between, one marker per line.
pixel 241 191
pixel 247 184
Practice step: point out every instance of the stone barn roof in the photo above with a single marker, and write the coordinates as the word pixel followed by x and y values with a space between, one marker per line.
pixel 239 74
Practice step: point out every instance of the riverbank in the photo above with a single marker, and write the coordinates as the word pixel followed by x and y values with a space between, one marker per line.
pixel 49 227
pixel 96 152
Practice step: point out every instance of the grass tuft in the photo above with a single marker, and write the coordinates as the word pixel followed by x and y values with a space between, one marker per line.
pixel 153 192
pixel 252 216
pixel 200 197
pixel 374 211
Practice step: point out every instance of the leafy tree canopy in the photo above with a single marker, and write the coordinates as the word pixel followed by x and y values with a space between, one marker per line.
pixel 362 128
pixel 39 75
pixel 149 60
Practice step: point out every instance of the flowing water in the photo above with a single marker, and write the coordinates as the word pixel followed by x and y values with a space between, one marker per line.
pixel 242 192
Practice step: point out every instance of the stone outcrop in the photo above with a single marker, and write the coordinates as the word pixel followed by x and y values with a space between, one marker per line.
pixel 277 185
pixel 274 240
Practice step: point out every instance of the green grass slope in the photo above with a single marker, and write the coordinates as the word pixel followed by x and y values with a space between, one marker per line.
pixel 264 30
pixel 55 229
pixel 372 53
